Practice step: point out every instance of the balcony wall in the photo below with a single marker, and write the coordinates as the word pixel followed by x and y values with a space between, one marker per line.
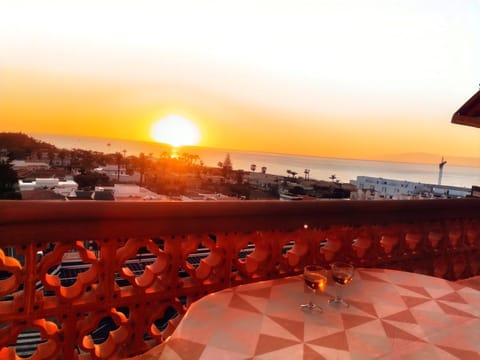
pixel 436 237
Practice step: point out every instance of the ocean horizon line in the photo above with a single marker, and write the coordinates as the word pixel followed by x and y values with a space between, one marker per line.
pixel 462 161
pixel 319 168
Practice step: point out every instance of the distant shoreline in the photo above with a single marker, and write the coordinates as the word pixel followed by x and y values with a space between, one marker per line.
pixel 100 144
pixel 320 168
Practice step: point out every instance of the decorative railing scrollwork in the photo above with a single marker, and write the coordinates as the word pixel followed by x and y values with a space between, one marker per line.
pixel 109 280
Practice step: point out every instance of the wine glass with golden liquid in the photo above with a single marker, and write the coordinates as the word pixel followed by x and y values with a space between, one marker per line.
pixel 315 277
pixel 342 274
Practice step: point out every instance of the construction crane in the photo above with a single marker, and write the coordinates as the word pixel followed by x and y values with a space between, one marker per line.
pixel 440 170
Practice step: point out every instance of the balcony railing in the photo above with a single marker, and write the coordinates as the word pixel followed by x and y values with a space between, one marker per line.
pixel 138 306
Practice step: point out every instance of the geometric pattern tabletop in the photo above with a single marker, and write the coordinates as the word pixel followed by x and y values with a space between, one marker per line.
pixel 392 315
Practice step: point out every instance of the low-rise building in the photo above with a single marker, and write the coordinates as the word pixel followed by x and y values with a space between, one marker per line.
pixel 476 191
pixel 32 165
pixel 60 187
pixel 119 174
pixel 263 180
pixel 372 188
pixel 128 192
pixel 451 191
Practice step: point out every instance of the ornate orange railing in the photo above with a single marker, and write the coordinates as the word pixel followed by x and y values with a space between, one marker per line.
pixel 437 237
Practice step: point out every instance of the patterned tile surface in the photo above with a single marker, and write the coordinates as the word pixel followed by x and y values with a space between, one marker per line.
pixel 392 315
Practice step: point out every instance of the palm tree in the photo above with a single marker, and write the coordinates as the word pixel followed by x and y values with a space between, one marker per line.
pixel 118 158
pixel 226 166
pixel 61 155
pixel 195 159
pixel 333 177
pixel 307 174
pixel 142 166
pixel 264 169
pixel 8 177
pixel 227 163
pixel 51 156
pixel 240 174
pixel 253 167
pixel 165 155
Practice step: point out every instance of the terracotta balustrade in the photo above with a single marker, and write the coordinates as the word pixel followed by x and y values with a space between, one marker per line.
pixel 436 237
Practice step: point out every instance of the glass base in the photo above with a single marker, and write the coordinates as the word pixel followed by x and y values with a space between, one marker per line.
pixel 338 301
pixel 311 307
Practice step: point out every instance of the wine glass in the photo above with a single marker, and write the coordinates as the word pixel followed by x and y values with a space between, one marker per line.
pixel 315 278
pixel 342 274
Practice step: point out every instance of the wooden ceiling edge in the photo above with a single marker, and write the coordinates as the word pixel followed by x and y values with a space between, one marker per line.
pixel 473 121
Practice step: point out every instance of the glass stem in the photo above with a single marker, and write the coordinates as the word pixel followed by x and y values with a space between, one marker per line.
pixel 312 298
pixel 339 293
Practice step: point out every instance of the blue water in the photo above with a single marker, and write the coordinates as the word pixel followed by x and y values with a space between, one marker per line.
pixel 278 164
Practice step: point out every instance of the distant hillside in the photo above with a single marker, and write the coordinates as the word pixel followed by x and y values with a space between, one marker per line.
pixel 20 145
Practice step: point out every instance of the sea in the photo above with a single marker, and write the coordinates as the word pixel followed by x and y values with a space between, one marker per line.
pixel 320 168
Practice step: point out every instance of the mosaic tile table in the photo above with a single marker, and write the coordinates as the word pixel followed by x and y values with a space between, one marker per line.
pixel 392 315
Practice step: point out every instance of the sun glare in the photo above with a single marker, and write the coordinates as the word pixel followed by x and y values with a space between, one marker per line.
pixel 175 130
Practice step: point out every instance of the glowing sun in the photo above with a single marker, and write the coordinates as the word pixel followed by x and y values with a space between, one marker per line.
pixel 176 131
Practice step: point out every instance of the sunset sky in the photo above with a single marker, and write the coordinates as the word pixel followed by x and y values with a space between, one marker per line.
pixel 354 79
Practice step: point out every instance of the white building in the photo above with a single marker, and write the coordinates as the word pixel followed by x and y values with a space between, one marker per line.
pixel 131 192
pixel 63 188
pixel 380 188
pixel 22 164
pixel 115 173
pixel 451 191
pixel 370 188
pixel 262 180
